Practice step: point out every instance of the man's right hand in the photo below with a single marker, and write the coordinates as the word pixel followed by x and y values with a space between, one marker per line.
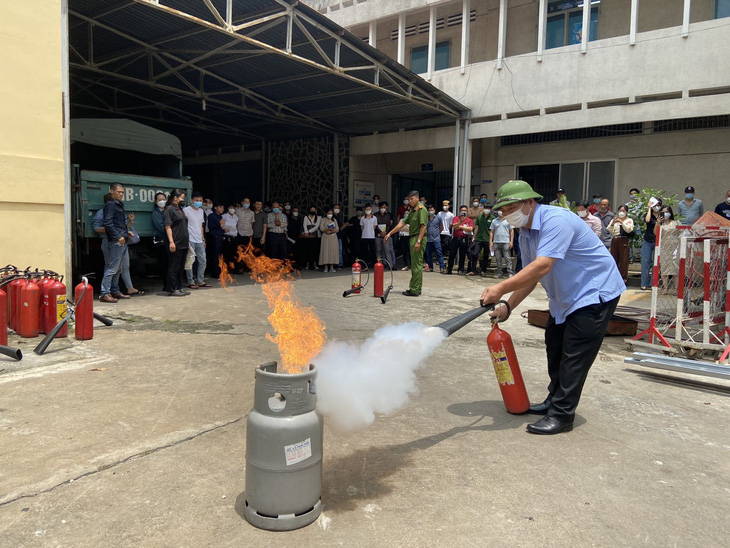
pixel 121 241
pixel 386 237
pixel 172 247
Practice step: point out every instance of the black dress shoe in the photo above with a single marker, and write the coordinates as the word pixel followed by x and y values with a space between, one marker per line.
pixel 549 425
pixel 409 293
pixel 540 408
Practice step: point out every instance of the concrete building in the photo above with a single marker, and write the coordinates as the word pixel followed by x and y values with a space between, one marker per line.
pixel 642 100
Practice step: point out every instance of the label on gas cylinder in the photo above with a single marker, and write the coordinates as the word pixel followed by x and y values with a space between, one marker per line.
pixel 60 307
pixel 501 368
pixel 297 452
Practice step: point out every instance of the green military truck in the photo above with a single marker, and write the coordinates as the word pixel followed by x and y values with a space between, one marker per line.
pixel 145 161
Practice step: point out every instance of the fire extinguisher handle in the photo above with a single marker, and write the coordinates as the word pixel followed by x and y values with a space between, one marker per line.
pixel 495 319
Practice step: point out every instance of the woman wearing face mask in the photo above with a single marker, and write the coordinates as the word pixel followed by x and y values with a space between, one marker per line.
pixel 159 238
pixel 230 219
pixel 329 251
pixel 621 226
pixel 311 238
pixel 293 231
pixel 176 230
pixel 476 210
pixel 368 223
pixel 647 246
pixel 668 249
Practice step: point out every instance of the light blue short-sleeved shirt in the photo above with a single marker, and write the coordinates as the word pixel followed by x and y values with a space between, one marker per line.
pixel 584 273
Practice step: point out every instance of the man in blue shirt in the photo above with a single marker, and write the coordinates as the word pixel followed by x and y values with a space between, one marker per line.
pixel 582 283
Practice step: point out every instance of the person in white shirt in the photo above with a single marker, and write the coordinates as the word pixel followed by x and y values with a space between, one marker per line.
pixel 196 247
pixel 368 222
pixel 230 228
pixel 446 218
pixel 311 238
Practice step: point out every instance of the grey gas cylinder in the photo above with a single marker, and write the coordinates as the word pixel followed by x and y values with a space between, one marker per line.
pixel 283 451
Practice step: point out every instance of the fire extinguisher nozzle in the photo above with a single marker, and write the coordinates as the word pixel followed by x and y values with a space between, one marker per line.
pixel 14 353
pixel 351 291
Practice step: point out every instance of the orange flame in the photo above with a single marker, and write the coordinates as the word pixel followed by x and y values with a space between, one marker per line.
pixel 300 333
pixel 225 278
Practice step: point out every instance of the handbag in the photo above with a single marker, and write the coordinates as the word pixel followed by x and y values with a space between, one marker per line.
pixel 472 251
pixel 134 238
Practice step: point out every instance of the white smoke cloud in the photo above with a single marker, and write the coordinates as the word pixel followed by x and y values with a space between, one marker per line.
pixel 354 382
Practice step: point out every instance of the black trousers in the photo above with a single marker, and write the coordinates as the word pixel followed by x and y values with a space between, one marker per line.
pixel 572 347
pixel 162 250
pixel 457 245
pixel 276 244
pixel 215 247
pixel 484 263
pixel 175 263
pixel 367 250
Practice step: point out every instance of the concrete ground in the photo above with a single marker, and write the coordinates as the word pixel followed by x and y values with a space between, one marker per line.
pixel 137 437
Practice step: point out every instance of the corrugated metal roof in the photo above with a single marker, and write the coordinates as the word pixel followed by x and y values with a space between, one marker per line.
pixel 175 66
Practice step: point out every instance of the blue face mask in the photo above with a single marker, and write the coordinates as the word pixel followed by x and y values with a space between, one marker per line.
pixel 483 200
pixel 246 206
pixel 198 204
pixel 689 195
pixel 275 210
pixel 596 200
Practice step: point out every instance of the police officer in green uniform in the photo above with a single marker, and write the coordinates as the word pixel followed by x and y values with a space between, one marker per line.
pixel 417 221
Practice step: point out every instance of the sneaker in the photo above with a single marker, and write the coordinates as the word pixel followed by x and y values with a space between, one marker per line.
pixel 471 273
pixel 177 293
pixel 483 274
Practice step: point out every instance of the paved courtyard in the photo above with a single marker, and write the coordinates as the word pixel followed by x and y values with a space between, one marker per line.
pixel 137 437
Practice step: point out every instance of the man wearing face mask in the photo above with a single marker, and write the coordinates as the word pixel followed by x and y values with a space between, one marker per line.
pixel 433 234
pixel 691 208
pixel 593 209
pixel 246 220
pixel 385 224
pixel 259 225
pixel 482 227
pixel 723 208
pixel 462 228
pixel 337 216
pixel 446 218
pixel 276 233
pixel 584 212
pixel 476 210
pixel 582 283
pixel 417 222
pixel 196 243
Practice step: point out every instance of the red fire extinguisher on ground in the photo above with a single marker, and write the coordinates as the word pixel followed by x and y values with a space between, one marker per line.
pixel 43 283
pixel 84 297
pixel 3 318
pixel 54 306
pixel 14 297
pixel 30 304
pixel 356 277
pixel 378 272
pixel 507 369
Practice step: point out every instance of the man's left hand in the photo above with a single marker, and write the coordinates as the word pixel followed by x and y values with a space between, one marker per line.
pixel 417 246
pixel 491 294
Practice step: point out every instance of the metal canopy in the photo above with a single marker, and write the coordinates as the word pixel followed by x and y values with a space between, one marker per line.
pixel 220 73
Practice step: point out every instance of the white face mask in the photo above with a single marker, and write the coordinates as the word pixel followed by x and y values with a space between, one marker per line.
pixel 500 213
pixel 368 212
pixel 329 215
pixel 383 210
pixel 657 208
pixel 337 211
pixel 517 218
pixel 727 199
pixel 376 202
pixel 487 211
pixel 446 208
pixel 405 202
pixel 295 214
pixel 475 204
pixel 161 204
pixel 667 215
pixel 231 211
pixel 622 214
pixel 583 213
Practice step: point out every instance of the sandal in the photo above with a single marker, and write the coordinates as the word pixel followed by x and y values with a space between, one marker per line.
pixel 205 284
pixel 135 292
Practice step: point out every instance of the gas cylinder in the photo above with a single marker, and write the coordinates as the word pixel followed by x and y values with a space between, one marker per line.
pixel 3 318
pixel 507 368
pixel 43 283
pixel 284 436
pixel 29 317
pixel 14 297
pixel 378 273
pixel 356 276
pixel 84 325
pixel 54 307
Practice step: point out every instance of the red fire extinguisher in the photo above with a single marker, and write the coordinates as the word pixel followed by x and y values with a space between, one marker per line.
pixel 356 277
pixel 30 304
pixel 507 368
pixel 3 318
pixel 379 270
pixel 14 295
pixel 54 307
pixel 43 283
pixel 84 297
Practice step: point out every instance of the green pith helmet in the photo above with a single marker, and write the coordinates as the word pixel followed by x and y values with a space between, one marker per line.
pixel 514 191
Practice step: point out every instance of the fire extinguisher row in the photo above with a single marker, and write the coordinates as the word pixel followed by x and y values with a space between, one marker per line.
pixel 36 303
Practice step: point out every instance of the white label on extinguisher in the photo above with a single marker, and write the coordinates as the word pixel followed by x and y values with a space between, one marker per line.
pixel 501 367
pixel 297 452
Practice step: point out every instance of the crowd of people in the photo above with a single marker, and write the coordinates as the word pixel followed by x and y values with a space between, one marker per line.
pixel 191 239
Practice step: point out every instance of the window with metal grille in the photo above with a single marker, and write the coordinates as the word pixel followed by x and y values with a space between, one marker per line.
pixel 453 20
pixel 572 134
pixel 685 124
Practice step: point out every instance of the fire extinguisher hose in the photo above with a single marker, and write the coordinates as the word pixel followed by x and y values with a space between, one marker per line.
pixel 387 290
pixel 456 323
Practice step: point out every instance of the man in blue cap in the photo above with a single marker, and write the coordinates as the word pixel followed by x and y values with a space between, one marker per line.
pixel 583 285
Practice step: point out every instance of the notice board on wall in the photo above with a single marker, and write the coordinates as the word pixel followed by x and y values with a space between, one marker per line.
pixel 364 191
